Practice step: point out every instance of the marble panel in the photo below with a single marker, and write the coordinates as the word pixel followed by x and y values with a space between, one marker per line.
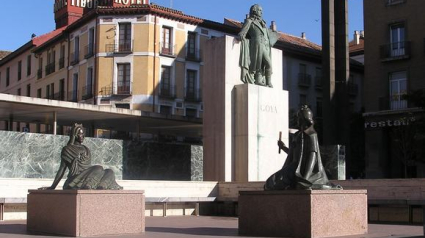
pixel 333 159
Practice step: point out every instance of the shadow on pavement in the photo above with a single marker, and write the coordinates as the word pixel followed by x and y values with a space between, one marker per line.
pixel 13 228
pixel 201 231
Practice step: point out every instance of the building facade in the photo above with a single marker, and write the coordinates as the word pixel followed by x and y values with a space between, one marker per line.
pixel 394 67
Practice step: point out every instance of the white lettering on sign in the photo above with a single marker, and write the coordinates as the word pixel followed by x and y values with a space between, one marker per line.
pixel 389 123
pixel 268 108
pixel 59 4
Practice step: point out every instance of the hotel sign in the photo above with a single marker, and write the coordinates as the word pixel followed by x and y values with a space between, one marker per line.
pixel 59 4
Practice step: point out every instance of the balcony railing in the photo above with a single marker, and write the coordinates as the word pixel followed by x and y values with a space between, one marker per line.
pixel 396 50
pixel 394 102
pixel 353 89
pixel 318 82
pixel 50 68
pixel 73 96
pixel 168 50
pixel 88 51
pixel 123 47
pixel 87 92
pixel 304 80
pixel 75 58
pixel 39 73
pixel 122 88
pixel 167 91
pixel 61 62
pixel 194 56
pixel 192 95
pixel 59 96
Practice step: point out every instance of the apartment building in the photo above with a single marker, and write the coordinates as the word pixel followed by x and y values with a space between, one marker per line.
pixel 394 67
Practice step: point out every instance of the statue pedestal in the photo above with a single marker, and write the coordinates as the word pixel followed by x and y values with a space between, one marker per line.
pixel 86 212
pixel 303 213
pixel 260 114
pixel 240 118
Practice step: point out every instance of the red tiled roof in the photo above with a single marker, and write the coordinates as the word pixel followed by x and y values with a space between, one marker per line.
pixel 4 53
pixel 353 47
pixel 294 41
pixel 39 40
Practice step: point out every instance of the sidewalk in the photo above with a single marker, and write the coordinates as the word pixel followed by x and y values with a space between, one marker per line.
pixel 205 227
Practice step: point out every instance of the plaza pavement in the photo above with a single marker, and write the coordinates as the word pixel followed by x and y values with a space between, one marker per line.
pixel 205 227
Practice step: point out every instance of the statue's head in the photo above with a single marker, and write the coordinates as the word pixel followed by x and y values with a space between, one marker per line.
pixel 305 116
pixel 256 11
pixel 77 134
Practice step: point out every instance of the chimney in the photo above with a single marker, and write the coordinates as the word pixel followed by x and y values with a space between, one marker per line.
pixel 356 37
pixel 361 34
pixel 273 26
pixel 303 35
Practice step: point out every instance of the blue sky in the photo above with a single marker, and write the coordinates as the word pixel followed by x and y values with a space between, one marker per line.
pixel 22 18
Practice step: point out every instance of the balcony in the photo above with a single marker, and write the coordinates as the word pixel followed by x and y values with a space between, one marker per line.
pixel 167 50
pixel 318 82
pixel 122 88
pixel 194 55
pixel 61 62
pixel 50 68
pixel 87 92
pixel 75 58
pixel 192 95
pixel 123 47
pixel 73 96
pixel 59 96
pixel 353 89
pixel 304 80
pixel 395 51
pixel 39 73
pixel 394 102
pixel 167 91
pixel 88 51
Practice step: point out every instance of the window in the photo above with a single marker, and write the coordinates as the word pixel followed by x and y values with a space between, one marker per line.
pixel 303 99
pixel 76 57
pixel 319 108
pixel 52 91
pixel 124 44
pixel 40 68
pixel 123 78
pixel 18 92
pixel 398 88
pixel 74 92
pixel 88 89
pixel 28 90
pixel 165 110
pixel 318 77
pixel 61 89
pixel 167 41
pixel 20 70
pixel 28 65
pixel 39 93
pixel 191 85
pixel 191 112
pixel 304 79
pixel 48 91
pixel 165 88
pixel 397 40
pixel 7 76
pixel 191 45
pixel 90 47
pixel 62 57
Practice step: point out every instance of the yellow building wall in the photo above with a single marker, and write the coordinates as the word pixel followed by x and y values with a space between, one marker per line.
pixel 142 37
pixel 105 37
pixel 104 72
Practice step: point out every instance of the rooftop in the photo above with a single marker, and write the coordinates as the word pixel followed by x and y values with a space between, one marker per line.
pixel 4 53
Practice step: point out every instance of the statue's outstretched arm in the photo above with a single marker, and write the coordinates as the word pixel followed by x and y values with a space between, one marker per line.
pixel 59 175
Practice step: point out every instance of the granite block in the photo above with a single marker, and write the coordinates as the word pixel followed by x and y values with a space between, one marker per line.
pixel 86 212
pixel 307 213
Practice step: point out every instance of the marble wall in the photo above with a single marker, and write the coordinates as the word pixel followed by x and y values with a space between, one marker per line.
pixel 29 155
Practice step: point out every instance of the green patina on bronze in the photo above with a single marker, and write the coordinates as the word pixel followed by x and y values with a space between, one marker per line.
pixel 256 42
pixel 82 175
pixel 303 168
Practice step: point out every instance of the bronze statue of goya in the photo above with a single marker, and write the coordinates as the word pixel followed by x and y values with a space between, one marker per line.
pixel 303 168
pixel 76 157
pixel 255 54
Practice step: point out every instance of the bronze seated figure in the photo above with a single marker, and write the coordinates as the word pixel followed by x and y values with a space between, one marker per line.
pixel 303 168
pixel 82 175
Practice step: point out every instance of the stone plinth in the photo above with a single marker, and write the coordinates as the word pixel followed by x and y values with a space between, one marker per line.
pixel 86 212
pixel 260 114
pixel 307 213
pixel 222 74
